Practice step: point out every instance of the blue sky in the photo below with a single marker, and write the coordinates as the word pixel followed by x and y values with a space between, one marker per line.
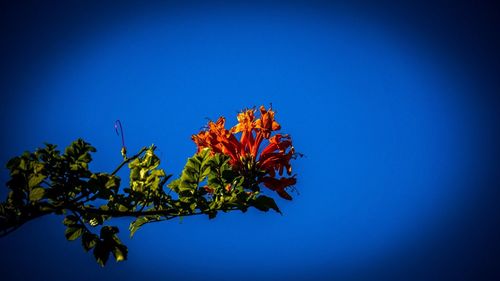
pixel 388 122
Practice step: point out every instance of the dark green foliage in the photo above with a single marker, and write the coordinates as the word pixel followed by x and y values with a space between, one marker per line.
pixel 265 203
pixel 50 182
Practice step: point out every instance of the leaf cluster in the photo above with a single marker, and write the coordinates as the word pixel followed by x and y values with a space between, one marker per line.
pixel 48 181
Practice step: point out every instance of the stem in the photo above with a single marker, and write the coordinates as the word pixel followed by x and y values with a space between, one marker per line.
pixel 9 231
pixel 79 216
pixel 115 213
pixel 79 211
pixel 127 160
pixel 8 227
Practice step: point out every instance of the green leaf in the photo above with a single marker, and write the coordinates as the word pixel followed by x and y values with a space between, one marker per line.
pixel 13 163
pixel 195 171
pixel 122 208
pixel 23 164
pixel 109 243
pixel 35 180
pixel 135 225
pixel 86 158
pixel 120 252
pixel 89 241
pixel 108 231
pixel 174 185
pixel 101 252
pixel 70 220
pixel 95 221
pixel 192 206
pixel 113 182
pixel 73 232
pixel 37 194
pixel 265 203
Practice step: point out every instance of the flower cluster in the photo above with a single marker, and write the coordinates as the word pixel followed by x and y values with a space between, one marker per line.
pixel 258 154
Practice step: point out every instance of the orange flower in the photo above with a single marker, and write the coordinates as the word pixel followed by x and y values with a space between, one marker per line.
pixel 266 122
pixel 274 158
pixel 245 121
pixel 219 140
pixel 245 125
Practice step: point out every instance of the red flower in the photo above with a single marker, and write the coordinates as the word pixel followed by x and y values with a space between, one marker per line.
pixel 244 154
pixel 279 185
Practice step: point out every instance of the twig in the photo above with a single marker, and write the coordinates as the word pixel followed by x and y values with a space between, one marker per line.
pixel 127 160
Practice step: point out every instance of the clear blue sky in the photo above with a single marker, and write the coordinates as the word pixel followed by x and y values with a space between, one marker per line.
pixel 387 120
